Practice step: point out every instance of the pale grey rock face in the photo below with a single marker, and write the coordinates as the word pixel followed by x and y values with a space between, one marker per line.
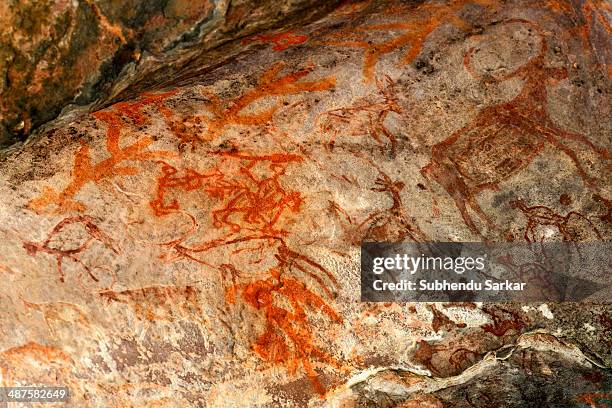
pixel 198 244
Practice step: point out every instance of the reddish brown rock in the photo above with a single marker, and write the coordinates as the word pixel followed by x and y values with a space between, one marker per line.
pixel 198 245
pixel 58 52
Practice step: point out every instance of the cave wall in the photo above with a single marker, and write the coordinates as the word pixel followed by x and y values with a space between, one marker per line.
pixel 197 242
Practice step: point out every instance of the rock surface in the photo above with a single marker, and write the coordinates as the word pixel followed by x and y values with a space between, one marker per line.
pixel 198 245
pixel 58 52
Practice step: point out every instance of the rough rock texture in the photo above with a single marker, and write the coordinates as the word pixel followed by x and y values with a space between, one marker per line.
pixel 198 245
pixel 57 52
pixel 536 371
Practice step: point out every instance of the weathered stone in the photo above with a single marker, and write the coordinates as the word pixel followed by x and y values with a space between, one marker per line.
pixel 538 370
pixel 58 52
pixel 198 244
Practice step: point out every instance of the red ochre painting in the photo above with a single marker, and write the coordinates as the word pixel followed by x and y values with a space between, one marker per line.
pixel 197 244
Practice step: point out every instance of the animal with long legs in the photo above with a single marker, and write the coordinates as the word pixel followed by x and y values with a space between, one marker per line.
pixel 504 139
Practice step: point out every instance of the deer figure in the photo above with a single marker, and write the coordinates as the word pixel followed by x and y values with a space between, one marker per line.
pixel 504 139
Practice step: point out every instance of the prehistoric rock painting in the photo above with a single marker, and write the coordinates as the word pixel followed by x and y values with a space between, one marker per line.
pixel 84 171
pixel 392 223
pixel 157 302
pixel 31 355
pixel 288 339
pixel 594 14
pixel 365 116
pixel 271 83
pixel 59 312
pixel 281 41
pixel 503 320
pixel 222 114
pixel 539 215
pixel 252 201
pixel 411 34
pixel 504 139
pixel 198 245
pixel 53 244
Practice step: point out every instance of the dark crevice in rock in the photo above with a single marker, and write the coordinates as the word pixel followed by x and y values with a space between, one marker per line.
pixel 193 65
pixel 515 375
pixel 96 52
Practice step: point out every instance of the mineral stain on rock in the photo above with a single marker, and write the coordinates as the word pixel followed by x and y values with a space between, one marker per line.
pixel 54 53
pixel 190 236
